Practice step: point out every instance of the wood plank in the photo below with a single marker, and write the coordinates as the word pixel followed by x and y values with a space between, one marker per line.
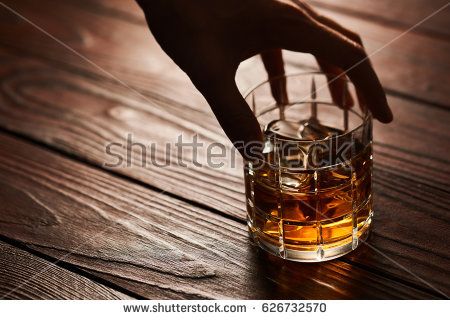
pixel 26 276
pixel 153 244
pixel 402 14
pixel 415 65
pixel 86 128
pixel 410 65
pixel 127 50
pixel 95 118
pixel 80 115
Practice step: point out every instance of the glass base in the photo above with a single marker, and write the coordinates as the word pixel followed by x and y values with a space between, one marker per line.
pixel 316 253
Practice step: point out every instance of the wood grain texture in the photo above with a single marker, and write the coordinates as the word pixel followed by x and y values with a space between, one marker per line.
pixel 52 96
pixel 413 65
pixel 410 65
pixel 401 14
pixel 153 244
pixel 25 276
pixel 80 115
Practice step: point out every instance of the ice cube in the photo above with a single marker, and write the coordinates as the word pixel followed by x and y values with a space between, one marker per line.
pixel 310 129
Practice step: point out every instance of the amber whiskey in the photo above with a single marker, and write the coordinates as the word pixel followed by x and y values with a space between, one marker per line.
pixel 308 212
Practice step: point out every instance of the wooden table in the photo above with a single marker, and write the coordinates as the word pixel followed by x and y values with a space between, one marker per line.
pixel 72 227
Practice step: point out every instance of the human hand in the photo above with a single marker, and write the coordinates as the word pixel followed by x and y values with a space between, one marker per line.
pixel 208 40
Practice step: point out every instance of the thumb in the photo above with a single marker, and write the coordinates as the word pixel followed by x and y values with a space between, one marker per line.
pixel 233 113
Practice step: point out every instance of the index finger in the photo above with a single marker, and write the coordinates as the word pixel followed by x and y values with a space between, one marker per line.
pixel 356 64
pixel 329 45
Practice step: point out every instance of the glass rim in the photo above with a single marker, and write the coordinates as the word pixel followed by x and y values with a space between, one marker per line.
pixel 367 117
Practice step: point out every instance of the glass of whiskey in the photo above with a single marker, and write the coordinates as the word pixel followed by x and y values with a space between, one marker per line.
pixel 310 198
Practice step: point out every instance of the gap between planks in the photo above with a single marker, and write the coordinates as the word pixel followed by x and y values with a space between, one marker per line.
pixel 73 268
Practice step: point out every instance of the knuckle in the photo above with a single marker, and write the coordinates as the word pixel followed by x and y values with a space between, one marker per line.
pixel 355 37
pixel 321 17
pixel 358 53
pixel 352 55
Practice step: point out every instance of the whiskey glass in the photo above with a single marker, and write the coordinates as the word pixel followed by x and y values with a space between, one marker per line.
pixel 310 199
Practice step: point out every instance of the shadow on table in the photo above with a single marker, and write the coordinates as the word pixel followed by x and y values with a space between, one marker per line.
pixel 275 278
